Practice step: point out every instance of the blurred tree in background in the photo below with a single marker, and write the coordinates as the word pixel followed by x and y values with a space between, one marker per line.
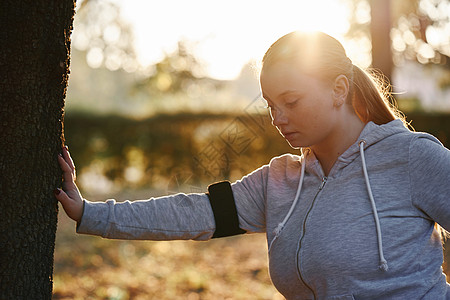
pixel 175 73
pixel 178 83
pixel 420 31
pixel 104 36
pixel 104 63
pixel 107 78
pixel 409 41
pixel 415 30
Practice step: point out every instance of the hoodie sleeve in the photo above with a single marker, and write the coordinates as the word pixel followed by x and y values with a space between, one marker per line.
pixel 180 216
pixel 177 217
pixel 429 167
pixel 250 194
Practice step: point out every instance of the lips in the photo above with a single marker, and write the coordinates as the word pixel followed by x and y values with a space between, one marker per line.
pixel 288 135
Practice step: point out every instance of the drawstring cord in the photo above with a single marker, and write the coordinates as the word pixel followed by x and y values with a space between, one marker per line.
pixel 383 263
pixel 297 196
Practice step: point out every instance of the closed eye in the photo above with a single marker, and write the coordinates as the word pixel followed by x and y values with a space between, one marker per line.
pixel 291 104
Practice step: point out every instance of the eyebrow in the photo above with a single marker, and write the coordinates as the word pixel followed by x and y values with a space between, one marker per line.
pixel 280 95
pixel 287 92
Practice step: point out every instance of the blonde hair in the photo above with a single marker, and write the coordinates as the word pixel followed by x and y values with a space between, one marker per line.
pixel 322 56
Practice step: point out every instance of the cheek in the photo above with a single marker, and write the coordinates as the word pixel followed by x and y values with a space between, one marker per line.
pixel 309 112
pixel 323 109
pixel 316 117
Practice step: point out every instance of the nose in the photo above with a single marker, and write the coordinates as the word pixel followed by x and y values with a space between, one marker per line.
pixel 278 117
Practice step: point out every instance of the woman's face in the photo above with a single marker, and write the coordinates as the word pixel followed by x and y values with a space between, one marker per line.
pixel 301 106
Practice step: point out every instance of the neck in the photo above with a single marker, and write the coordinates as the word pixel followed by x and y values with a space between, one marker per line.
pixel 343 135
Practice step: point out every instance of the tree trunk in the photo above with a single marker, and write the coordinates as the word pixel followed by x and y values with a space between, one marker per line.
pixel 380 28
pixel 34 64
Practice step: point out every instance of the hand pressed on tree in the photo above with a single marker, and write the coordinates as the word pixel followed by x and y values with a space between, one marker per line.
pixel 69 195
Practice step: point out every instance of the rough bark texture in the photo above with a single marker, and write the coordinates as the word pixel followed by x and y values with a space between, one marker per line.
pixel 34 68
pixel 380 28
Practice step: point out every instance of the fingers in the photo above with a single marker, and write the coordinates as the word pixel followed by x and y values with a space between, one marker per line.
pixel 70 197
pixel 68 174
pixel 68 158
pixel 67 165
pixel 72 206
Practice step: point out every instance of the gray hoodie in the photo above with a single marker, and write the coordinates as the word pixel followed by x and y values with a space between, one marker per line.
pixel 366 231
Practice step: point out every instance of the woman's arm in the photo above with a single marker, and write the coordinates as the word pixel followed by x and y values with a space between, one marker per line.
pixel 175 217
pixel 178 216
pixel 225 210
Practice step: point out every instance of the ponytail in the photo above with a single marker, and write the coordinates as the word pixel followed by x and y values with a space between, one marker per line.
pixel 372 101
pixel 372 98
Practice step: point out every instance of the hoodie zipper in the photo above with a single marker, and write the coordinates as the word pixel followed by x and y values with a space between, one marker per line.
pixel 322 184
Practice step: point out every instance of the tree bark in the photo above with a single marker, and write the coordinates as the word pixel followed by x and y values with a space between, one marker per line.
pixel 380 28
pixel 34 69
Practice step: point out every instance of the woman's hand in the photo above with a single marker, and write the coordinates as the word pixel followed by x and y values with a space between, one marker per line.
pixel 69 195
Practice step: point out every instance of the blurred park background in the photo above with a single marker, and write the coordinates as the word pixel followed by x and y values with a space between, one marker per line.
pixel 164 98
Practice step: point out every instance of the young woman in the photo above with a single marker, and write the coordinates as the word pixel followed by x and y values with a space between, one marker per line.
pixel 352 217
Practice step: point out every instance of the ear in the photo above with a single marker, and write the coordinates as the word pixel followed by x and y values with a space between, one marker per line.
pixel 340 90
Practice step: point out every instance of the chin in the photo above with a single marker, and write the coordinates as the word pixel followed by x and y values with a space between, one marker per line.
pixel 294 145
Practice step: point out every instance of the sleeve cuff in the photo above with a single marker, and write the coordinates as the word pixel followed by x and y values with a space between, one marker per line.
pixel 93 218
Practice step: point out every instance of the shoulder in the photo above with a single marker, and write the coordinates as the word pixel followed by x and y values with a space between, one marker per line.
pixel 284 168
pixel 424 145
pixel 426 151
pixel 423 140
pixel 285 160
pixel 278 167
pixel 414 140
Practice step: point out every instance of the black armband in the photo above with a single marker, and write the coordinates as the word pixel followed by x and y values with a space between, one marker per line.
pixel 224 209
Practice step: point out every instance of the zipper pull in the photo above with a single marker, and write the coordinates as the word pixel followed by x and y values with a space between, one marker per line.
pixel 324 180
